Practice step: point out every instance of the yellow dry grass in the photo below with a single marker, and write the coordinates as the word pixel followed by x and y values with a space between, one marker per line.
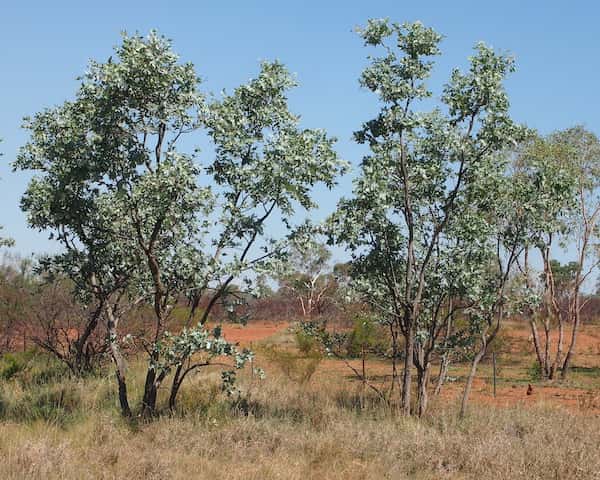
pixel 284 430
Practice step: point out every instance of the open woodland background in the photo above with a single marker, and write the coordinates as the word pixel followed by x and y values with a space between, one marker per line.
pixel 194 324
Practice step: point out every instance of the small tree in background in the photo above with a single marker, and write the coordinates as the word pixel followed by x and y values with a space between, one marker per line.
pixel 17 281
pixel 562 170
pixel 309 278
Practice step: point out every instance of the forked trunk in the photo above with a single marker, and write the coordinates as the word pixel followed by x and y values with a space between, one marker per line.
pixel 83 356
pixel 537 346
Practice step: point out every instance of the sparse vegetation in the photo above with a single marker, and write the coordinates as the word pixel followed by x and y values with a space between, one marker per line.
pixel 71 428
pixel 123 354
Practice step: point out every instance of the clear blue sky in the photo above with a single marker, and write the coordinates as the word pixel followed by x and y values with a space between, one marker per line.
pixel 46 45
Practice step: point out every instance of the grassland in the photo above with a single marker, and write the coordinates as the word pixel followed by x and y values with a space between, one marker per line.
pixel 55 427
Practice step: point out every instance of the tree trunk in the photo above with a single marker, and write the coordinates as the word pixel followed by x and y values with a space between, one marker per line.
pixel 82 362
pixel 547 345
pixel 536 345
pixel 407 374
pixel 571 351
pixel 444 364
pixel 559 348
pixel 395 352
pixel 422 395
pixel 175 388
pixel 119 363
pixel 150 392
pixel 469 384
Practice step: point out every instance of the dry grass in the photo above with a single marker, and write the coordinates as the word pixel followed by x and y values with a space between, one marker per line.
pixel 282 430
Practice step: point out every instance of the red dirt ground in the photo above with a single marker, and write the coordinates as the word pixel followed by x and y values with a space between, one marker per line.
pixel 252 332
pixel 574 399
pixel 518 335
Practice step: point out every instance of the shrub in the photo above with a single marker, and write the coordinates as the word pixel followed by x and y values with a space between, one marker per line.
pixel 298 368
pixel 366 335
pixel 10 367
pixel 57 404
pixel 305 343
pixel 12 364
pixel 534 372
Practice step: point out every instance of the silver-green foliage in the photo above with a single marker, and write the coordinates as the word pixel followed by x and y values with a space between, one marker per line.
pixel 425 219
pixel 143 220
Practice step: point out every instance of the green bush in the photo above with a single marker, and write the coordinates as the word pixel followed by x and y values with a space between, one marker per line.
pixel 534 372
pixel 32 368
pixel 10 367
pixel 43 370
pixel 297 367
pixel 57 404
pixel 367 335
pixel 305 343
pixel 11 364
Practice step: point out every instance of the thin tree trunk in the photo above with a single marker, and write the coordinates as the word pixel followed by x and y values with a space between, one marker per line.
pixel 422 394
pixel 443 374
pixel 559 348
pixel 395 352
pixel 536 344
pixel 571 351
pixel 407 374
pixel 469 384
pixel 548 343
pixel 119 363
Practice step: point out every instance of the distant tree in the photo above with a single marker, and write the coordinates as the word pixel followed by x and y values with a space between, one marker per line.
pixel 584 149
pixel 57 320
pixel 17 283
pixel 309 278
pixel 564 276
pixel 563 170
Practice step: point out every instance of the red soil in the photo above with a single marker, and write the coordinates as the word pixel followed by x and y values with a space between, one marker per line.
pixel 518 336
pixel 252 332
pixel 588 338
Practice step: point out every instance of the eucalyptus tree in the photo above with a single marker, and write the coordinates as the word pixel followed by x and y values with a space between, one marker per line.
pixel 413 250
pixel 504 206
pixel 563 171
pixel 111 186
pixel 264 169
pixel 584 149
pixel 544 178
pixel 307 276
pixel 143 222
